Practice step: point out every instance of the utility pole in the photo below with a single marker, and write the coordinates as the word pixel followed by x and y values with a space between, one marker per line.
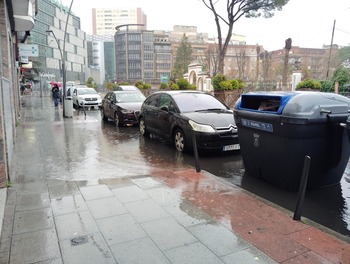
pixel 330 51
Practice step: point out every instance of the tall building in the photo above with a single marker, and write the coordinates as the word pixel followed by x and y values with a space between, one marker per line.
pixel 104 20
pixel 101 56
pixel 142 55
pixel 48 34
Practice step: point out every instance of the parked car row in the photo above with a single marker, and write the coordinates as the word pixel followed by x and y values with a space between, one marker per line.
pixel 178 116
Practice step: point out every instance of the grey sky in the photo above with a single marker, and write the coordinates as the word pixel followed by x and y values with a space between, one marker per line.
pixel 308 22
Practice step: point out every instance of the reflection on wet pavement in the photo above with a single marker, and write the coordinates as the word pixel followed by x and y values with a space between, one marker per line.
pixel 118 189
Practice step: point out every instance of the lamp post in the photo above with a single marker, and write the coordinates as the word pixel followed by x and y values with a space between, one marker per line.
pixel 62 58
pixel 62 64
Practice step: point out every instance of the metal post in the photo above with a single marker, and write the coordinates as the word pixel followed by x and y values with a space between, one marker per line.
pixel 62 58
pixel 195 151
pixel 63 61
pixel 302 189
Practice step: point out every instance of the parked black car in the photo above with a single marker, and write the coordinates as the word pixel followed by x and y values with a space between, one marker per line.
pixel 176 115
pixel 122 106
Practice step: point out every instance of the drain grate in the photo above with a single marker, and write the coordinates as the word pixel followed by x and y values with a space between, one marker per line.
pixel 78 240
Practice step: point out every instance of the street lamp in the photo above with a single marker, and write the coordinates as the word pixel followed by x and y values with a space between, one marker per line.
pixel 62 67
pixel 62 58
pixel 59 48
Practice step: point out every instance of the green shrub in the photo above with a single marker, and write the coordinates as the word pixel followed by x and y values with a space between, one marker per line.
pixel 147 86
pixel 234 84
pixel 241 84
pixel 163 85
pixel 326 86
pixel 139 84
pixel 309 83
pixel 123 83
pixel 174 86
pixel 216 80
pixel 220 82
pixel 225 85
pixel 183 84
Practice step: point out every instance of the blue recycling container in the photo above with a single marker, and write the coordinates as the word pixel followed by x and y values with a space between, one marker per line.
pixel 276 130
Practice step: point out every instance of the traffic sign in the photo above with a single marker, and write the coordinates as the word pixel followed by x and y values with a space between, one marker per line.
pixel 30 50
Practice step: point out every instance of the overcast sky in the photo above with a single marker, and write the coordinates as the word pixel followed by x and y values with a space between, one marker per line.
pixel 308 22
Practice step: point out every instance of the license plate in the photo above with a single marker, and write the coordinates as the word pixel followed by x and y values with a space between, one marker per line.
pixel 231 147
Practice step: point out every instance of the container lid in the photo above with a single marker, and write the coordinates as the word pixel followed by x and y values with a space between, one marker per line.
pixel 317 104
pixel 269 102
pixel 299 104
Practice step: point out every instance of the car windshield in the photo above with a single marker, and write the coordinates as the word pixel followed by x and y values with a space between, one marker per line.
pixel 87 91
pixel 192 102
pixel 130 97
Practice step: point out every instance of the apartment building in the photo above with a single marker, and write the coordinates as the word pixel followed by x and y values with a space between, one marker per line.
pixel 309 62
pixel 104 20
pixel 142 55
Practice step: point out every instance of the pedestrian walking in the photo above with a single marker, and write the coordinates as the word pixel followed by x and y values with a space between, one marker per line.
pixel 55 94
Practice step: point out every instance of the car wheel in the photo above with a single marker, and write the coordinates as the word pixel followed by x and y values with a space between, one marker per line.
pixel 104 117
pixel 179 140
pixel 142 128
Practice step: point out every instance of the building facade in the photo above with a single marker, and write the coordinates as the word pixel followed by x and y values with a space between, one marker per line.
pixel 16 21
pixel 101 56
pixel 53 46
pixel 104 20
pixel 142 55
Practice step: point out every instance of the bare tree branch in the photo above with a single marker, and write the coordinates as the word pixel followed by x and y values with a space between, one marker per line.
pixel 235 10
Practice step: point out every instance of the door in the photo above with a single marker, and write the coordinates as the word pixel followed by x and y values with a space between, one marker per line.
pixel 165 116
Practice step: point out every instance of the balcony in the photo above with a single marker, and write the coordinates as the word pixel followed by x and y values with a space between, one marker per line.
pixel 23 14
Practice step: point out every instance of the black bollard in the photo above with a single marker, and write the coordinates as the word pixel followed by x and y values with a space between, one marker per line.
pixel 195 151
pixel 302 189
pixel 84 110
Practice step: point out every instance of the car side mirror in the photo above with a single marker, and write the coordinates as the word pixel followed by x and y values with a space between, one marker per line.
pixel 164 108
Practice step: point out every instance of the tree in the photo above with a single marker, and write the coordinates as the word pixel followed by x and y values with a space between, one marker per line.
pixel 241 63
pixel 235 10
pixel 342 76
pixel 183 58
pixel 266 63
pixel 91 83
pixel 344 57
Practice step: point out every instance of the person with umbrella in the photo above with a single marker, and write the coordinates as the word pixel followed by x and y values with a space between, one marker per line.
pixel 55 94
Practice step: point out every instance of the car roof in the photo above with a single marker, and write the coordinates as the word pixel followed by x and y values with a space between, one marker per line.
pixel 124 91
pixel 172 92
pixel 128 92
pixel 84 87
pixel 129 87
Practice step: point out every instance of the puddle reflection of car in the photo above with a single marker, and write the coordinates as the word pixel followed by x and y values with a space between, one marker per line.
pixel 176 115
pixel 122 106
pixel 85 96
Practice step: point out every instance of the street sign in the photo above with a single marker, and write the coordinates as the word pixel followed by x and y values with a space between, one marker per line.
pixel 30 50
pixel 24 59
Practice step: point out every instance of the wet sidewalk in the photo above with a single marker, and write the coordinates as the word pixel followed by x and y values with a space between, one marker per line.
pixel 165 215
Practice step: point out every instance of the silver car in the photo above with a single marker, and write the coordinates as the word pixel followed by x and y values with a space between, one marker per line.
pixel 87 97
